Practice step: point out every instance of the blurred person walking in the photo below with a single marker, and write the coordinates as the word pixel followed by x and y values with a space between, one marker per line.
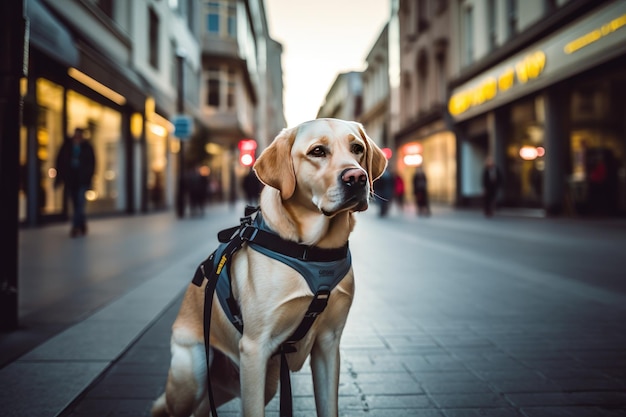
pixel 252 187
pixel 197 189
pixel 383 189
pixel 398 191
pixel 420 191
pixel 491 179
pixel 75 165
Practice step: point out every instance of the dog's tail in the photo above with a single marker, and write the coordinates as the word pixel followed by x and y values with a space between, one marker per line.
pixel 159 408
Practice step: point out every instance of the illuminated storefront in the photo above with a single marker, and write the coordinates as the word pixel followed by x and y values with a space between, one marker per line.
pixel 552 117
pixel 436 155
pixel 58 98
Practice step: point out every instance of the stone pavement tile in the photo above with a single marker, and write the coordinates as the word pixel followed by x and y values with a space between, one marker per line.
pixel 418 363
pixel 450 377
pixel 391 413
pixel 522 386
pixel 451 387
pixel 538 399
pixel 106 408
pixel 571 412
pixel 589 384
pixel 481 412
pixel 30 388
pixel 407 402
pixel 363 342
pixel 360 363
pixel 509 375
pixel 127 387
pixel 389 386
pixel 472 400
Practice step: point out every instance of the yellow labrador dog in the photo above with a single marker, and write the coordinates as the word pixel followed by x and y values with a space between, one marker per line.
pixel 316 175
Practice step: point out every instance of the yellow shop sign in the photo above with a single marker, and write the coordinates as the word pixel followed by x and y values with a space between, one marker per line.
pixel 522 71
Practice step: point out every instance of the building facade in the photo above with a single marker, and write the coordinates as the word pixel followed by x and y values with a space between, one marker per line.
pixel 422 137
pixel 122 70
pixel 542 92
pixel 241 85
pixel 376 92
pixel 107 67
pixel 344 99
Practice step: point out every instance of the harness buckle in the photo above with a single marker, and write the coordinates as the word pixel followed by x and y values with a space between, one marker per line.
pixel 318 304
pixel 248 233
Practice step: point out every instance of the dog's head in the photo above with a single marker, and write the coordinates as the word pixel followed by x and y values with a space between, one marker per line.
pixel 328 165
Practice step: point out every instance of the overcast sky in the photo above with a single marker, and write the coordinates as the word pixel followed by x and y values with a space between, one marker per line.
pixel 321 39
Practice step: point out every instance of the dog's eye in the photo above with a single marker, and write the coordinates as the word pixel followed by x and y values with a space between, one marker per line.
pixel 318 152
pixel 357 148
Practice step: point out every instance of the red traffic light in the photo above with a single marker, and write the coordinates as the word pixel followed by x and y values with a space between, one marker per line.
pixel 247 148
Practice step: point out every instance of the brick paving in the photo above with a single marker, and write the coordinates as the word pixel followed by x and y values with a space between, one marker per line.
pixel 436 330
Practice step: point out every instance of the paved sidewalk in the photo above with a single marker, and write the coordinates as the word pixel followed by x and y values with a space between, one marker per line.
pixel 436 330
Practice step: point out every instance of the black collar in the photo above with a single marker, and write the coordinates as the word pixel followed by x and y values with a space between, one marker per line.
pixel 258 232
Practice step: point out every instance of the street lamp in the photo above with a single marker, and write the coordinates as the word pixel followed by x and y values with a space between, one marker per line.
pixel 180 108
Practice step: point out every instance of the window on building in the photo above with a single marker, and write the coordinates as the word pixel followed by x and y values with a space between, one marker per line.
pixel 190 15
pixel 422 15
pixel 468 39
pixel 492 26
pixel 221 18
pixel 173 63
pixel 106 6
pixel 549 6
pixel 511 14
pixel 153 38
pixel 441 77
pixel 422 80
pixel 232 88
pixel 232 20
pixel 213 87
pixel 440 6
pixel 213 17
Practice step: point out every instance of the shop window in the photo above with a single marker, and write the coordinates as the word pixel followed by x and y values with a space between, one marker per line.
pixel 525 153
pixel 49 140
pixel 103 127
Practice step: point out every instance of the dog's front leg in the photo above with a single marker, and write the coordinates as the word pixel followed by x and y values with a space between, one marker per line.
pixel 253 368
pixel 325 363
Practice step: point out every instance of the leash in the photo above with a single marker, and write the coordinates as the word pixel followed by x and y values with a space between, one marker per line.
pixel 211 269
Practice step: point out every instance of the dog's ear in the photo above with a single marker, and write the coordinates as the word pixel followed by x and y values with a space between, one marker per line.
pixel 274 166
pixel 375 160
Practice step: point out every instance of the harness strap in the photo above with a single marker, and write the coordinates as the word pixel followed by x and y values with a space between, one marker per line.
pixel 236 237
pixel 208 306
pixel 318 304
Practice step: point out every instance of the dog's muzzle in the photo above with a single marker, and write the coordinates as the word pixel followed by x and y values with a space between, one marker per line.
pixel 355 187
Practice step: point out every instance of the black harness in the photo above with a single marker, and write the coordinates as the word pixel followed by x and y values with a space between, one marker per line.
pixel 321 268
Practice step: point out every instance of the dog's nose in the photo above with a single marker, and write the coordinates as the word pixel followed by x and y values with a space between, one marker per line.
pixel 353 176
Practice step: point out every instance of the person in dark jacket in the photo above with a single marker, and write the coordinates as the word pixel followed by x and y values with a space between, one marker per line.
pixel 75 167
pixel 252 187
pixel 491 179
pixel 383 189
pixel 420 191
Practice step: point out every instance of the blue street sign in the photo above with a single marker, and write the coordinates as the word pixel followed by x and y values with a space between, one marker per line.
pixel 183 126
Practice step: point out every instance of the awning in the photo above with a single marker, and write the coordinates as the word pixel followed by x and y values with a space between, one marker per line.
pixel 49 35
